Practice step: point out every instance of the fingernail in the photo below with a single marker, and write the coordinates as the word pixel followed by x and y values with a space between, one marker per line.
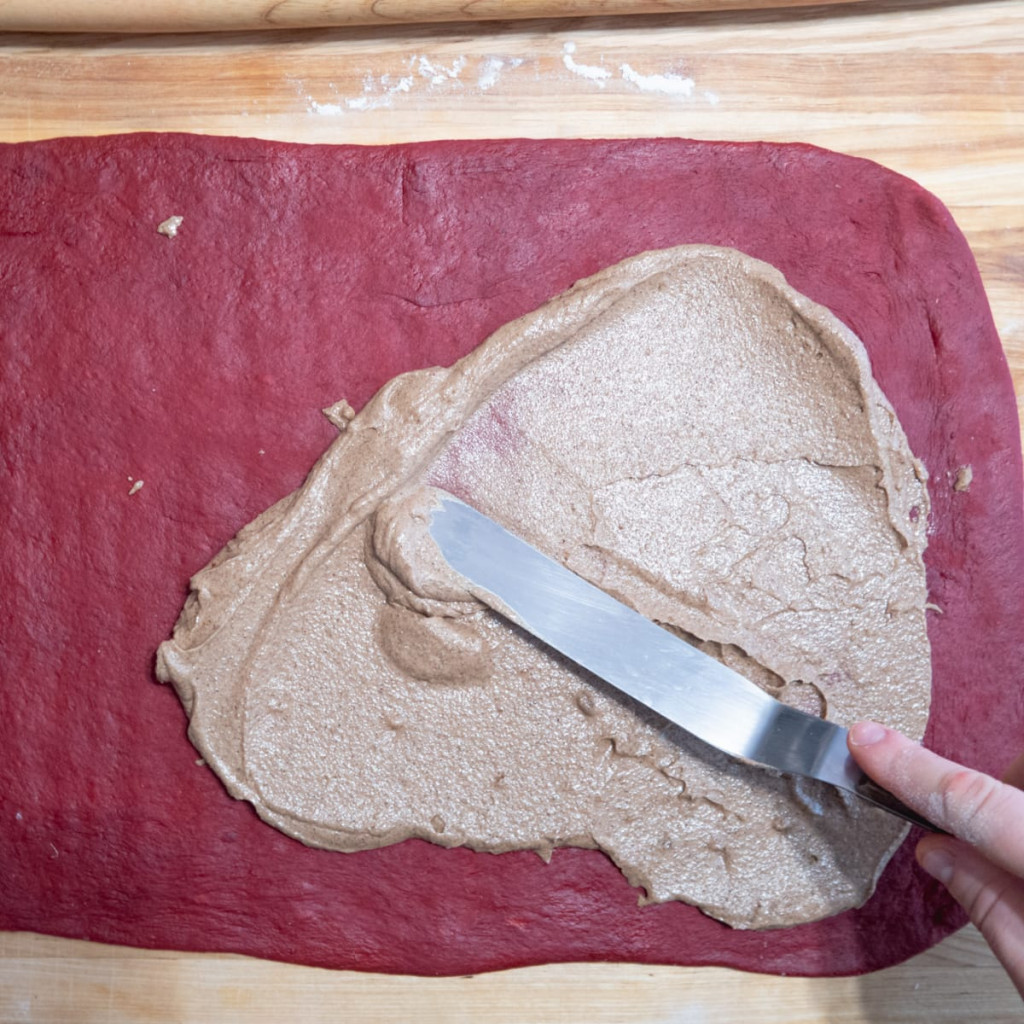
pixel 863 734
pixel 938 864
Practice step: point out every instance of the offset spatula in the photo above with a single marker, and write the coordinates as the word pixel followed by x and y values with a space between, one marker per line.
pixel 638 657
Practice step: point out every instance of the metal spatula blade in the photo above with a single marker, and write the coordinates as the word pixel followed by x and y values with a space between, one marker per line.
pixel 645 661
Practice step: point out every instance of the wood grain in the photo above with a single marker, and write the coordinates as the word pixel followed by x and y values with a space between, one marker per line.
pixel 64 982
pixel 933 90
pixel 248 15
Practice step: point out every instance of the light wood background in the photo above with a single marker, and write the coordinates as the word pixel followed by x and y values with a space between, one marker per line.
pixel 933 90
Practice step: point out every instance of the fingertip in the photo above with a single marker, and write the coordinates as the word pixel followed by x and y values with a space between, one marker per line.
pixel 1014 775
pixel 867 734
pixel 937 859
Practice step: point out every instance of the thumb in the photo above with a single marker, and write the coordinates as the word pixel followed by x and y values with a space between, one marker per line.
pixel 969 804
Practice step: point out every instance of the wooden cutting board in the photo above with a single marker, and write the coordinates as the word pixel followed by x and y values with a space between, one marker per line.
pixel 935 91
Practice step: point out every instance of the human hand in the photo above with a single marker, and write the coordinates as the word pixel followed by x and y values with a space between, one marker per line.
pixel 981 862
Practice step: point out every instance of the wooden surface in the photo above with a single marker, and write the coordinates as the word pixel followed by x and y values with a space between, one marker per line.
pixel 933 90
pixel 63 982
pixel 227 15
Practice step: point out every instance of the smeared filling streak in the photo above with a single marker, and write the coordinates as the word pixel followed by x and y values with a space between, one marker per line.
pixel 685 431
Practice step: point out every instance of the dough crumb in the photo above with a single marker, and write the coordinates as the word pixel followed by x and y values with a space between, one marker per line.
pixel 170 226
pixel 931 607
pixel 135 487
pixel 340 414
pixel 964 476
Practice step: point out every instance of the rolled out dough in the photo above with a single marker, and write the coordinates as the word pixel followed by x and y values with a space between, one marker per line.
pixel 200 366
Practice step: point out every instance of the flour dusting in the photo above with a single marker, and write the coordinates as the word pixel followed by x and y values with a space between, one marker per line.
pixel 329 109
pixel 425 74
pixel 378 91
pixel 588 71
pixel 491 69
pixel 438 74
pixel 668 84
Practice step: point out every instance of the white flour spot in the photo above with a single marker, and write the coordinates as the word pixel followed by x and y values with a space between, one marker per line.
pixel 377 92
pixel 329 109
pixel 402 85
pixel 668 84
pixel 588 71
pixel 438 74
pixel 490 70
pixel 711 97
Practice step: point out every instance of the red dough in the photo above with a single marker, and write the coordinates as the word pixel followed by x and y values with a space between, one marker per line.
pixel 199 364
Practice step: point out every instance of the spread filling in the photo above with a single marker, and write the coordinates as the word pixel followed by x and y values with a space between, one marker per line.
pixel 685 431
